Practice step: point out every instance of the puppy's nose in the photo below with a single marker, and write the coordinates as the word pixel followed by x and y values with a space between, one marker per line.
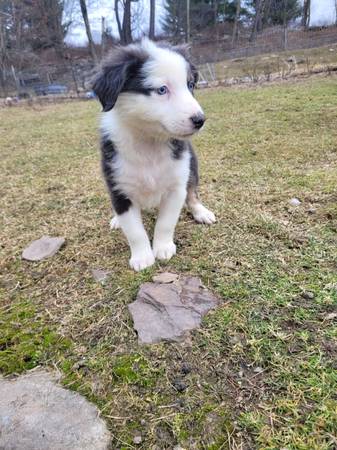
pixel 198 120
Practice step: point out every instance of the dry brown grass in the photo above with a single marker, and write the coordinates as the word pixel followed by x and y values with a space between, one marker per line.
pixel 263 365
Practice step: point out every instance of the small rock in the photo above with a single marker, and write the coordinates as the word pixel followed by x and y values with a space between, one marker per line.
pixel 42 248
pixel 137 440
pixel 179 385
pixel 165 277
pixel 142 422
pixel 241 373
pixel 312 210
pixel 308 295
pixel 258 370
pixel 295 201
pixel 178 447
pixel 100 275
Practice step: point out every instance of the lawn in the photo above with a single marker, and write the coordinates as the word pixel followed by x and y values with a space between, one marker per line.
pixel 261 372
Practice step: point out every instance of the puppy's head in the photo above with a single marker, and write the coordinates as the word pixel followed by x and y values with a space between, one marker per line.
pixel 151 87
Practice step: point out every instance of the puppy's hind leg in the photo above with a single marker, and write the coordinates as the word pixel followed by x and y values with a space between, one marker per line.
pixel 199 212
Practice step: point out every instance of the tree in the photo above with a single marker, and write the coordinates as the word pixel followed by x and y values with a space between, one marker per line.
pixel 88 30
pixel 236 21
pixel 118 20
pixel 185 18
pixel 204 15
pixel 273 12
pixel 282 12
pixel 174 23
pixel 257 22
pixel 306 13
pixel 152 19
pixel 124 27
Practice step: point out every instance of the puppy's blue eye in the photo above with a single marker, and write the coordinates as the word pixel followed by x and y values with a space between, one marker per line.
pixel 162 90
pixel 190 85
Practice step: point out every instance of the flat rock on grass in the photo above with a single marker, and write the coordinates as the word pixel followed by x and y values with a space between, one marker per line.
pixel 43 248
pixel 38 414
pixel 166 312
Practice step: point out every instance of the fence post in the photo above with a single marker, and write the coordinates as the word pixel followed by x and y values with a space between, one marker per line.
pixel 17 82
pixel 285 38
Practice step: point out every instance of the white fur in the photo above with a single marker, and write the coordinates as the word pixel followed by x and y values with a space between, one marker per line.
pixel 202 215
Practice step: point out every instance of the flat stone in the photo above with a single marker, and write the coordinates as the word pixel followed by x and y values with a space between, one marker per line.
pixel 165 277
pixel 38 414
pixel 100 275
pixel 167 312
pixel 43 248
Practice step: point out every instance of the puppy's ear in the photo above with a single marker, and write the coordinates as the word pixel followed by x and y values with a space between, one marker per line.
pixel 114 74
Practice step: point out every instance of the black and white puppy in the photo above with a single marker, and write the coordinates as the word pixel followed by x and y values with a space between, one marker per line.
pixel 149 115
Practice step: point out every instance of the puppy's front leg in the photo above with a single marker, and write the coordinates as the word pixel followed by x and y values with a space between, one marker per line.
pixel 133 228
pixel 169 211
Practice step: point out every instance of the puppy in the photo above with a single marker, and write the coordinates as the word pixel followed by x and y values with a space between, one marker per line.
pixel 149 116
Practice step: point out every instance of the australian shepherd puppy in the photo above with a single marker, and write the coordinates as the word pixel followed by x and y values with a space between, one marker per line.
pixel 149 116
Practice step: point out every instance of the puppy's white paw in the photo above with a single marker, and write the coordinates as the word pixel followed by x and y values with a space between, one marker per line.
pixel 140 261
pixel 114 223
pixel 164 250
pixel 203 215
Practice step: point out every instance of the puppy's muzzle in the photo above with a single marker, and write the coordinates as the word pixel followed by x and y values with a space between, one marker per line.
pixel 198 120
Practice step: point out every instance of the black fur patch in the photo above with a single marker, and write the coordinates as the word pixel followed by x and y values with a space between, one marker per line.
pixel 135 81
pixel 120 73
pixel 177 147
pixel 121 203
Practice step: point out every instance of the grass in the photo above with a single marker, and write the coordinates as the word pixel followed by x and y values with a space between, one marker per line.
pixel 264 65
pixel 263 366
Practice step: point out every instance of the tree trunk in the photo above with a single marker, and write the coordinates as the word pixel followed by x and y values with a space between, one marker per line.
pixel 188 31
pixel 88 30
pixel 126 27
pixel 215 12
pixel 306 14
pixel 257 19
pixel 236 21
pixel 118 20
pixel 152 19
pixel 285 24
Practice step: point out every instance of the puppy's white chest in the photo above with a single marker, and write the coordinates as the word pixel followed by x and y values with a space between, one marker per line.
pixel 151 174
